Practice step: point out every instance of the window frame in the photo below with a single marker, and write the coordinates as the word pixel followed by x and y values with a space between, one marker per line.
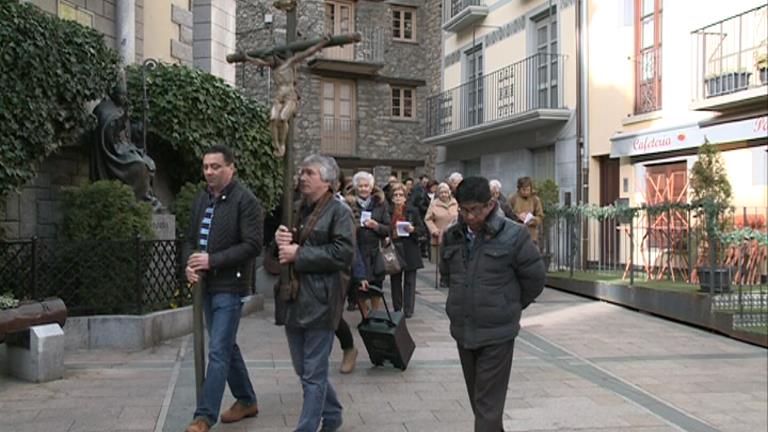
pixel 644 52
pixel 402 10
pixel 401 105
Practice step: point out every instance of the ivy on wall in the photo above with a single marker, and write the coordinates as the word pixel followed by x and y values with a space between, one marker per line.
pixel 49 69
pixel 190 110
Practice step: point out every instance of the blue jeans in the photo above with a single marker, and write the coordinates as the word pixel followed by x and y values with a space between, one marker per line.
pixel 310 352
pixel 225 363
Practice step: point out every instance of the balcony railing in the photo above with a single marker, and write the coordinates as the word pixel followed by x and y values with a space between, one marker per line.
pixel 454 7
pixel 731 55
pixel 338 136
pixel 533 83
pixel 648 81
pixel 459 15
pixel 369 50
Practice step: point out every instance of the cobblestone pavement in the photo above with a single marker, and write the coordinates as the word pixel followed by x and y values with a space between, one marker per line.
pixel 579 365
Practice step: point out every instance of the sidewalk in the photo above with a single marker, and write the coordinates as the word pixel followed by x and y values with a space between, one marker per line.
pixel 579 365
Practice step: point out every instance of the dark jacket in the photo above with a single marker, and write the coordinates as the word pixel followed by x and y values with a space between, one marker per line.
pixel 408 247
pixel 320 263
pixel 491 283
pixel 234 240
pixel 368 239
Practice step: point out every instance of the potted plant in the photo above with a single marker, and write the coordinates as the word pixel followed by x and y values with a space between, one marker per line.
pixel 711 193
pixel 726 81
pixel 549 193
pixel 761 64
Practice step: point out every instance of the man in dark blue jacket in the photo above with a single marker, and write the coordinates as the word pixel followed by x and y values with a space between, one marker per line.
pixel 495 272
pixel 226 232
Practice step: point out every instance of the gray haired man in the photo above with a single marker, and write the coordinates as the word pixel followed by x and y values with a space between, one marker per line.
pixel 320 249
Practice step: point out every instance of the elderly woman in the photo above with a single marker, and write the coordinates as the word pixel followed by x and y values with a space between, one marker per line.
pixel 371 214
pixel 499 197
pixel 441 212
pixel 407 226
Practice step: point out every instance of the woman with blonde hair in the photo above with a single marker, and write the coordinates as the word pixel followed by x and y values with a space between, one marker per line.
pixel 441 212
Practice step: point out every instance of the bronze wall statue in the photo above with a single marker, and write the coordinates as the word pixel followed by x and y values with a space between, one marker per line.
pixel 113 155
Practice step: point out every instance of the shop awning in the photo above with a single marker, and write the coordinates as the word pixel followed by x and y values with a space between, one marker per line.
pixel 656 140
pixel 741 130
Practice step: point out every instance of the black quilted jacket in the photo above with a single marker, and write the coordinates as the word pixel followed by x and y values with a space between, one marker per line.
pixel 234 240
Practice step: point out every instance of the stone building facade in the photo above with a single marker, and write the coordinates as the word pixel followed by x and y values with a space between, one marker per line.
pixel 362 104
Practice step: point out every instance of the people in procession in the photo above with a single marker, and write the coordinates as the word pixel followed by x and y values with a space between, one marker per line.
pixel 320 253
pixel 495 271
pixel 226 232
pixel 406 226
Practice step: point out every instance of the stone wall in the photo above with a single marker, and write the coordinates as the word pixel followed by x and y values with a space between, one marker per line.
pixel 35 210
pixel 104 16
pixel 381 141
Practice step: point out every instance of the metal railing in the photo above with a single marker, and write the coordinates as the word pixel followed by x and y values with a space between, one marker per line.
pixel 731 55
pixel 451 8
pixel 533 83
pixel 669 249
pixel 370 49
pixel 338 136
pixel 96 277
pixel 648 81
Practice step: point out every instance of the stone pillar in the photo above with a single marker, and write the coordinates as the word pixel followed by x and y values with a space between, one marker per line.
pixel 126 30
pixel 37 355
pixel 214 36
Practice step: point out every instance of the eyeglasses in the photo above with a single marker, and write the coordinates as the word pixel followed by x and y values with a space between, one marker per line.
pixel 474 210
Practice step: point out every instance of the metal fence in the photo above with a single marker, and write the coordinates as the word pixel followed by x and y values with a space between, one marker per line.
pixel 370 49
pixel 671 249
pixel 533 83
pixel 96 277
pixel 731 55
pixel 451 8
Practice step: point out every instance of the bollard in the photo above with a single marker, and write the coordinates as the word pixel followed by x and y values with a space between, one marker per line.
pixel 198 334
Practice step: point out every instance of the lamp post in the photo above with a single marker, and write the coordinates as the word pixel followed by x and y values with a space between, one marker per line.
pixel 148 65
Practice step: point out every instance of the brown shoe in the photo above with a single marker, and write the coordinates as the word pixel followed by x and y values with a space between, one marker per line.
pixel 348 361
pixel 198 425
pixel 238 411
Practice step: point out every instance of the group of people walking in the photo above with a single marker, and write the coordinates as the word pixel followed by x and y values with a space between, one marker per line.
pixel 332 250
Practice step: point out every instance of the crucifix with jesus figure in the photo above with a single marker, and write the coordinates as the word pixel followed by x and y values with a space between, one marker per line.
pixel 284 62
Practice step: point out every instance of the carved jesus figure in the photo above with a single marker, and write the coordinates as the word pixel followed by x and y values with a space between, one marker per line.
pixel 286 101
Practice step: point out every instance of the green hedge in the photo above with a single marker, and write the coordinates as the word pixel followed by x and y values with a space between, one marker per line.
pixel 190 110
pixel 104 210
pixel 49 69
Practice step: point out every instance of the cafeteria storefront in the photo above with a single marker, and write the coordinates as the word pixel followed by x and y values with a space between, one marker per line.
pixel 654 163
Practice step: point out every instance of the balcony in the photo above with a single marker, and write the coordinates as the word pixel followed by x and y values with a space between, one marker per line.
pixel 338 136
pixel 461 14
pixel 522 96
pixel 731 61
pixel 363 58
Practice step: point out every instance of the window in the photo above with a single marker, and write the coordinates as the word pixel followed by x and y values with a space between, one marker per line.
pixel 339 129
pixel 404 24
pixel 339 19
pixel 647 56
pixel 403 102
pixel 73 13
pixel 546 60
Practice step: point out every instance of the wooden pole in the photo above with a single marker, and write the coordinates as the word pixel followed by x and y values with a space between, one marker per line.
pixel 292 45
pixel 198 336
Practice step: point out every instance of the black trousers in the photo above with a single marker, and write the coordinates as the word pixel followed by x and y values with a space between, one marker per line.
pixel 486 373
pixel 344 335
pixel 404 291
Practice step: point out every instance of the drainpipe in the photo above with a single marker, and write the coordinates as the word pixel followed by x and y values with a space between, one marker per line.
pixel 582 102
pixel 125 28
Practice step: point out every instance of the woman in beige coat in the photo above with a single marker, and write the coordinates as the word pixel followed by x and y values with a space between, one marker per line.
pixel 441 212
